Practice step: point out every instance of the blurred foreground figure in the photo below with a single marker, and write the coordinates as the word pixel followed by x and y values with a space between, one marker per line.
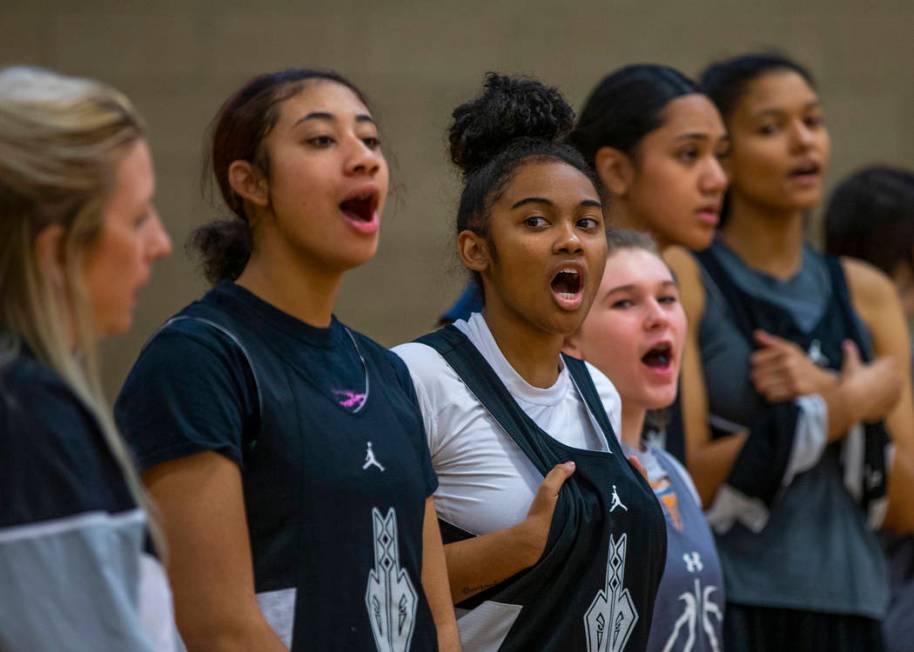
pixel 78 235
pixel 870 216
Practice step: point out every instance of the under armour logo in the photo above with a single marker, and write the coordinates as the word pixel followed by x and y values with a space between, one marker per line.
pixel 693 562
pixel 816 355
pixel 370 459
pixel 616 502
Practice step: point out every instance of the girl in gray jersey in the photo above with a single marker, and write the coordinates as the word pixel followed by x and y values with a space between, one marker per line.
pixel 635 333
pixel 794 468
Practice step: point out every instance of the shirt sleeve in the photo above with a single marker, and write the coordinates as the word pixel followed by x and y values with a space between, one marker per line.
pixel 192 390
pixel 412 391
pixel 412 355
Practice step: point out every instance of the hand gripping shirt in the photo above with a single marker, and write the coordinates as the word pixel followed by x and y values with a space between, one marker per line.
pixel 593 588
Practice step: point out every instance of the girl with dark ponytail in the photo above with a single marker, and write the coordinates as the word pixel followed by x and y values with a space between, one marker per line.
pixel 795 392
pixel 285 451
pixel 553 540
pixel 656 142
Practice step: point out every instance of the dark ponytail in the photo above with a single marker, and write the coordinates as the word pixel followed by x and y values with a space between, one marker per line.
pixel 727 81
pixel 237 134
pixel 626 106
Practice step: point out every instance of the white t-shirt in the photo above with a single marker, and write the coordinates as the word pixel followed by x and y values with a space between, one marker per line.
pixel 486 482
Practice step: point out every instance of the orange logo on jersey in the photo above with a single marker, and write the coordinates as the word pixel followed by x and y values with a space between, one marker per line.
pixel 664 492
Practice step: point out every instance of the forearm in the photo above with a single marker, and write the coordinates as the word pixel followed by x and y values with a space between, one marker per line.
pixel 900 515
pixel 482 562
pixel 842 402
pixel 231 635
pixel 711 463
pixel 435 582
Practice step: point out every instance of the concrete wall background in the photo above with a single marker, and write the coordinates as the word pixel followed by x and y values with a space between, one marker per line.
pixel 179 60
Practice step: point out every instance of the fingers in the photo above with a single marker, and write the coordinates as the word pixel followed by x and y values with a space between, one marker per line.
pixel 767 340
pixel 851 358
pixel 554 480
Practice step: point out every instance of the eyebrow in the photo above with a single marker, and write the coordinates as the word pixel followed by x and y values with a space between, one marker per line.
pixel 700 135
pixel 632 286
pixel 329 117
pixel 548 202
pixel 776 111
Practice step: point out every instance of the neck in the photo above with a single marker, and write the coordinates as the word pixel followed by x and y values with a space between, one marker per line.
pixel 297 287
pixel 632 424
pixel 532 353
pixel 620 217
pixel 766 239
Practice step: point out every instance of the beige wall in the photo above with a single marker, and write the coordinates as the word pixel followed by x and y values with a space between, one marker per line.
pixel 417 60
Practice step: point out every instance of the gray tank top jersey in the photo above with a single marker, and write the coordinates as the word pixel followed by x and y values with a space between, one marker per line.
pixel 815 553
pixel 689 611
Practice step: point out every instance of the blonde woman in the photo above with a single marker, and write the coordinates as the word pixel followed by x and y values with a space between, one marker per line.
pixel 78 234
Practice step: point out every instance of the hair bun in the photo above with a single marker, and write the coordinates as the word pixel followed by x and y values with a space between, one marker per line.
pixel 509 108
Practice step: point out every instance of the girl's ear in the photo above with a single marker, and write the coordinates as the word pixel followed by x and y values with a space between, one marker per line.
pixel 474 251
pixel 249 183
pixel 50 255
pixel 615 170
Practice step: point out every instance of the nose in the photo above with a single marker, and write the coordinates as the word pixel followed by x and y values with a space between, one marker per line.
pixel 655 316
pixel 362 159
pixel 713 181
pixel 802 137
pixel 158 244
pixel 568 240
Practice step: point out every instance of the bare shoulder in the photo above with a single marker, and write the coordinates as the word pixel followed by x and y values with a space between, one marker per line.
pixel 871 290
pixel 688 276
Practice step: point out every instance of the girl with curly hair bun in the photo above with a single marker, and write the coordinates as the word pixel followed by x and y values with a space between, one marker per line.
pixel 553 540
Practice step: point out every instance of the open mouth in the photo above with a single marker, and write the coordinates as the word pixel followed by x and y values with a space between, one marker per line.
pixel 806 170
pixel 361 207
pixel 659 357
pixel 567 283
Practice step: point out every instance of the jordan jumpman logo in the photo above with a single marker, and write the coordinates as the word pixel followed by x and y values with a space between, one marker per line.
pixel 370 459
pixel 616 501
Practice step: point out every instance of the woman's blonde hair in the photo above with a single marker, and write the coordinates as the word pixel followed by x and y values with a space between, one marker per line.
pixel 60 140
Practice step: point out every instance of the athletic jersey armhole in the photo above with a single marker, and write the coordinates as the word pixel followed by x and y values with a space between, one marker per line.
pixel 683 473
pixel 609 396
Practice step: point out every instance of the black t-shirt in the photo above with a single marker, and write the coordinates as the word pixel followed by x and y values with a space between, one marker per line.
pixel 326 428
